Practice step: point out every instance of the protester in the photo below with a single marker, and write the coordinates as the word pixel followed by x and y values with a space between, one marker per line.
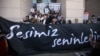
pixel 59 16
pixel 44 19
pixel 3 45
pixel 88 22
pixel 47 17
pixel 93 19
pixel 54 21
pixel 95 46
pixel 62 21
pixel 85 16
pixel 69 22
pixel 26 19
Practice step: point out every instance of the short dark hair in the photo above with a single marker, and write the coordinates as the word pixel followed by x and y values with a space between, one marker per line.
pixel 93 15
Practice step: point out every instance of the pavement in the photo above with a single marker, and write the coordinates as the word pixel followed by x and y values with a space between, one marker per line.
pixel 62 54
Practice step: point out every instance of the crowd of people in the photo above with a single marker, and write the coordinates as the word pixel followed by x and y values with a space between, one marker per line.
pixel 54 17
pixel 92 19
pixel 49 17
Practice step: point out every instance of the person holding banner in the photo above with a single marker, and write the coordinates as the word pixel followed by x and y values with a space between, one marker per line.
pixel 95 45
pixel 3 45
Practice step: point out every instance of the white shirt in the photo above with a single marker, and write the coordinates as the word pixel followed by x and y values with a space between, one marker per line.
pixel 86 16
pixel 44 22
pixel 32 10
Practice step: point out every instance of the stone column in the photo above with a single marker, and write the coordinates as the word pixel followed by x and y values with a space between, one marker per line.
pixel 63 7
pixel 75 9
pixel 15 10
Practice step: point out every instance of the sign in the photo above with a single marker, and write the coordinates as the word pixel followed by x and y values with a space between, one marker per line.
pixel 55 6
pixel 30 38
pixel 41 6
pixel 45 7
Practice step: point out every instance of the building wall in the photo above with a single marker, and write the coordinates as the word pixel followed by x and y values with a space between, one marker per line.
pixel 25 7
pixel 15 10
pixel 9 9
pixel 75 9
pixel 72 9
pixel 93 7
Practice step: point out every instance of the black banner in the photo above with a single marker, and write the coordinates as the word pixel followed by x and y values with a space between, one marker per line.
pixel 31 38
